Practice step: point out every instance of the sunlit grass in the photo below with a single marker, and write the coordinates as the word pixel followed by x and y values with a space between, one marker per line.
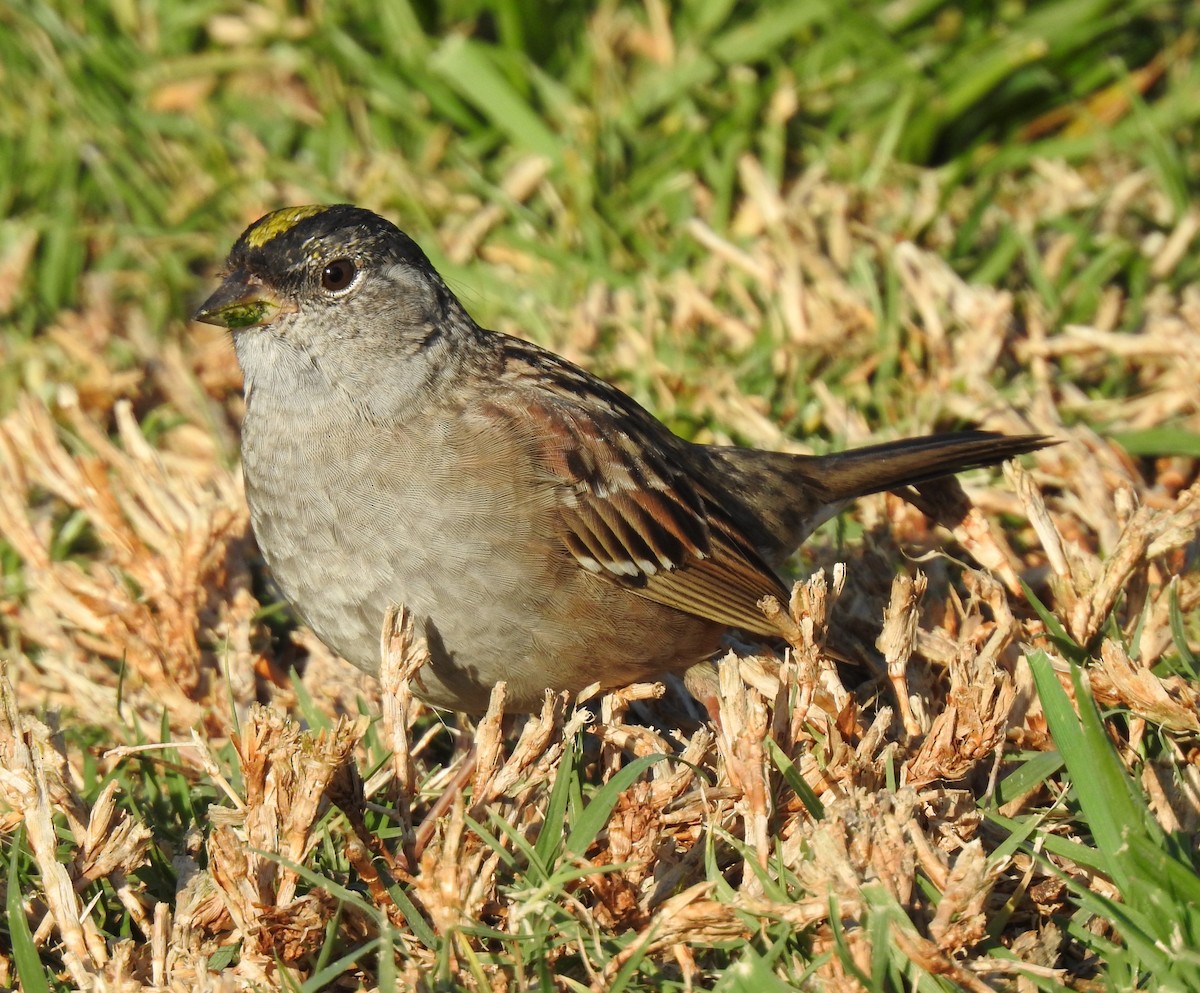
pixel 782 225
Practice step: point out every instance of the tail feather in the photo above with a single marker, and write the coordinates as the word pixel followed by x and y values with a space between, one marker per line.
pixel 846 475
pixel 785 497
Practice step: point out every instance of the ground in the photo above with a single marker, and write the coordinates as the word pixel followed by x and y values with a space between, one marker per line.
pixel 785 229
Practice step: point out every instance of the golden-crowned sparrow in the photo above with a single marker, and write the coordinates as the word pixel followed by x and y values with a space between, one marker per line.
pixel 540 525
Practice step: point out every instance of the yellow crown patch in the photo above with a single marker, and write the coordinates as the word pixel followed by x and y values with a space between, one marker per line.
pixel 279 222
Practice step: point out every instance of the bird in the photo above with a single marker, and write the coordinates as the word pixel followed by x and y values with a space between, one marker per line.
pixel 540 526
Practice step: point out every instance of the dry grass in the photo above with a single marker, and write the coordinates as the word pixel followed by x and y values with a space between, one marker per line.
pixel 827 797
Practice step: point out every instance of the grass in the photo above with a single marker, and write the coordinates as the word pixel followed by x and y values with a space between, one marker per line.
pixel 795 227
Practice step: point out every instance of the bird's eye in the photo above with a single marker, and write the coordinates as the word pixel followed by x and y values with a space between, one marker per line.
pixel 337 275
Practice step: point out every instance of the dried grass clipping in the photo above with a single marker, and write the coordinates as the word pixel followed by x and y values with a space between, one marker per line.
pixel 170 581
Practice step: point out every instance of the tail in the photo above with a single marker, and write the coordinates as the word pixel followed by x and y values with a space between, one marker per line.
pixel 785 497
pixel 846 475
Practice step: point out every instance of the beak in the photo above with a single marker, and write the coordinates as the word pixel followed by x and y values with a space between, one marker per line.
pixel 242 301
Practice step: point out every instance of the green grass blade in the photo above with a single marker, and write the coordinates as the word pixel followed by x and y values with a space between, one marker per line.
pixel 469 69
pixel 791 776
pixel 550 838
pixel 1159 441
pixel 25 954
pixel 594 816
pixel 1111 807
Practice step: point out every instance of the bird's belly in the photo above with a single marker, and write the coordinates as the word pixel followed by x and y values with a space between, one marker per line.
pixel 461 544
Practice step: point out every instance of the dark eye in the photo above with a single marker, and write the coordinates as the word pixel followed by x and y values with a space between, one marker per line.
pixel 337 275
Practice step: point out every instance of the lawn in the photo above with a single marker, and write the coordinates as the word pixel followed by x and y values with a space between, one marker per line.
pixel 795 226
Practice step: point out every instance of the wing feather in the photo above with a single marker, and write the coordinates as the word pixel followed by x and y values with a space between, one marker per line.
pixel 634 510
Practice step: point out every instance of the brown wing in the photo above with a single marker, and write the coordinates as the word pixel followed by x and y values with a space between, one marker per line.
pixel 633 510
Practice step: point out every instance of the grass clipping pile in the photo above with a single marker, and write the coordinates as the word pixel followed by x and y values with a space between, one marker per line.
pixel 814 822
